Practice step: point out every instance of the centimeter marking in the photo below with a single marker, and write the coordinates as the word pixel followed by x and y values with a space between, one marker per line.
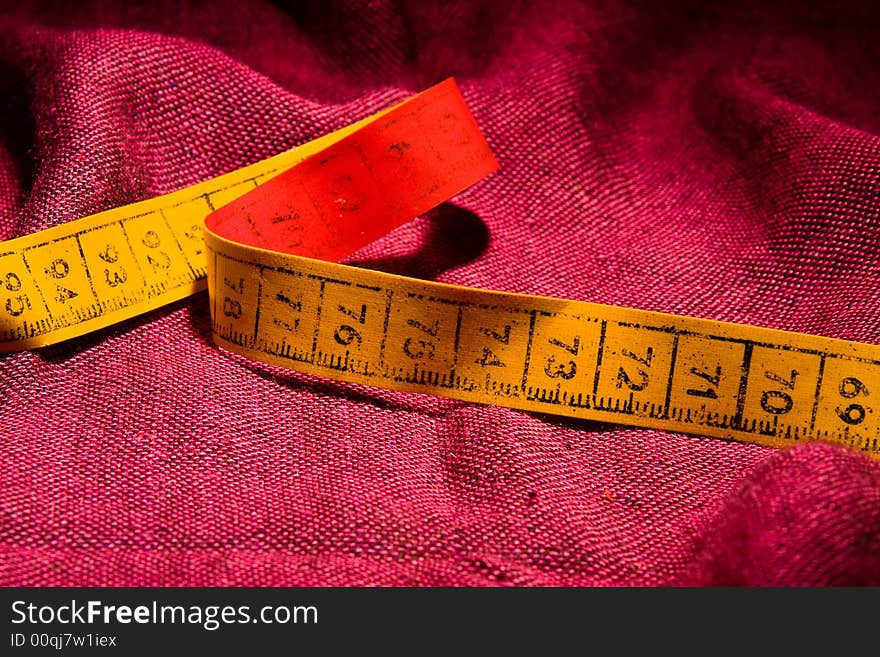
pixel 547 355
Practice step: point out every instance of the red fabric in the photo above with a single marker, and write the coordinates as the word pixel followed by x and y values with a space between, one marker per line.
pixel 714 162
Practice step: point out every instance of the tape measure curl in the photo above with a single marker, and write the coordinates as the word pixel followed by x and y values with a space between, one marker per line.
pixel 265 236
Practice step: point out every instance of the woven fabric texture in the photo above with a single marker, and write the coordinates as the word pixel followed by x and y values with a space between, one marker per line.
pixel 721 163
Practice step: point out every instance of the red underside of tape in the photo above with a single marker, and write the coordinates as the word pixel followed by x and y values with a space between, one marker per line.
pixel 395 168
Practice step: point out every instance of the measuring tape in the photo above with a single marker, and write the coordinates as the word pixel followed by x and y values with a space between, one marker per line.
pixel 263 240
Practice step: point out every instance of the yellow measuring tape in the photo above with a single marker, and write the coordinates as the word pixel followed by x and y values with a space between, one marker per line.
pixel 271 303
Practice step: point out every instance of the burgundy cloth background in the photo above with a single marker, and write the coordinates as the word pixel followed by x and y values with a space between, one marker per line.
pixel 720 162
